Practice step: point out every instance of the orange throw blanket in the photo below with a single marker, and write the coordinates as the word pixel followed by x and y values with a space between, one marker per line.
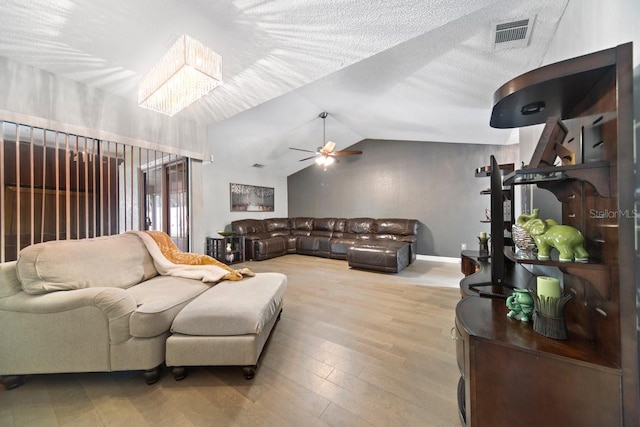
pixel 176 256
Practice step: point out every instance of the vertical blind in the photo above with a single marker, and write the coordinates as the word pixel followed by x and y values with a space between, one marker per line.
pixel 57 186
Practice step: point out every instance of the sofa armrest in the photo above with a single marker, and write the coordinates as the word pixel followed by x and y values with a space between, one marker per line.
pixel 115 304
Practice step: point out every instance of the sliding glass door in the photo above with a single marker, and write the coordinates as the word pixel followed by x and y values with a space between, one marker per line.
pixel 58 186
pixel 166 187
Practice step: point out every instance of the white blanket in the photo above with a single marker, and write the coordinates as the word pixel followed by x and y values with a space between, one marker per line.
pixel 205 273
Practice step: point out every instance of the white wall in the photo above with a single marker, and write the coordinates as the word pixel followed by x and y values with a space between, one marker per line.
pixel 591 25
pixel 41 99
pixel 216 202
pixel 587 26
pixel 57 103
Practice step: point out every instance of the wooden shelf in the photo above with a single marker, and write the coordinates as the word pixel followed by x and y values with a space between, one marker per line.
pixel 485 171
pixel 597 274
pixel 562 87
pixel 505 192
pixel 596 173
pixel 590 379
pixel 487 318
pixel 554 262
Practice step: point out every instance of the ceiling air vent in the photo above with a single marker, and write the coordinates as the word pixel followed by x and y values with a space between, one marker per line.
pixel 512 34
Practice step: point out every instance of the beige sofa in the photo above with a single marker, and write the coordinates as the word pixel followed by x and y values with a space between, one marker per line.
pixel 86 306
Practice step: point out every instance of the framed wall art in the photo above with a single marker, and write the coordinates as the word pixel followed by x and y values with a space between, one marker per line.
pixel 251 198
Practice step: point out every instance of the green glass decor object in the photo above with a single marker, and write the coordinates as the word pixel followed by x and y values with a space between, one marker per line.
pixel 549 234
pixel 483 245
pixel 520 305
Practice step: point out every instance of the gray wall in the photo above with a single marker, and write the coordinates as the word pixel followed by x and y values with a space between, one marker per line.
pixel 432 182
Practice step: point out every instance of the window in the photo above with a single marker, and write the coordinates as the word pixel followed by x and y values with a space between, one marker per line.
pixel 57 186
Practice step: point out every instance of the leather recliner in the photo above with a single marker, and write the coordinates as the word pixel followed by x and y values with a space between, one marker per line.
pixel 323 237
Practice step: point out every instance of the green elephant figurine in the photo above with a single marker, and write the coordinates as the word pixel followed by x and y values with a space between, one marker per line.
pixel 520 305
pixel 549 234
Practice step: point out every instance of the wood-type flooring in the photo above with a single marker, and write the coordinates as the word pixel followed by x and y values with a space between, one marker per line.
pixel 353 348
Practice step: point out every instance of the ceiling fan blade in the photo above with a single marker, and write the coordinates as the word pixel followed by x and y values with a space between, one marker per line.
pixel 300 149
pixel 307 158
pixel 346 153
pixel 328 147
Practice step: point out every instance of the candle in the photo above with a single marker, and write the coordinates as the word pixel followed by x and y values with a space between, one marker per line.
pixel 548 286
pixel 483 235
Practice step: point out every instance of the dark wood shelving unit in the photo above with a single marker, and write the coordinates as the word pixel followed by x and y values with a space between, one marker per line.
pixel 511 375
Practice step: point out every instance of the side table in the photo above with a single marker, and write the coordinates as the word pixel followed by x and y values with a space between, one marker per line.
pixel 217 248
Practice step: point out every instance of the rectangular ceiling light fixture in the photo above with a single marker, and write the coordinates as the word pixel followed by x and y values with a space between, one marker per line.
pixel 188 71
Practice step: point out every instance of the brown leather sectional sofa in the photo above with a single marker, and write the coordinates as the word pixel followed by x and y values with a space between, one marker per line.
pixel 327 237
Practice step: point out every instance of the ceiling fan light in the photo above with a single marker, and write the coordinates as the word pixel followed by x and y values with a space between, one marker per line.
pixel 325 161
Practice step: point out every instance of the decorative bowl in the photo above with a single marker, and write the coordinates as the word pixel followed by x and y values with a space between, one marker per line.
pixel 225 233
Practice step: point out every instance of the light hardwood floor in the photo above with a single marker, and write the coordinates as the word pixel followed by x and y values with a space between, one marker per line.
pixel 353 348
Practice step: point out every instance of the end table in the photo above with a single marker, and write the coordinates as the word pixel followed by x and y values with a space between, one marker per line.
pixel 217 248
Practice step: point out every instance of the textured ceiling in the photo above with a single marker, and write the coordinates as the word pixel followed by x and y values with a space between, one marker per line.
pixel 418 70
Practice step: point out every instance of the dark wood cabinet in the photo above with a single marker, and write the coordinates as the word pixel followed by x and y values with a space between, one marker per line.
pixel 512 375
pixel 515 377
pixel 469 263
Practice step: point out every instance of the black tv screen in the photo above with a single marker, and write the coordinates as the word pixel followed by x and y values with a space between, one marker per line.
pixel 497 227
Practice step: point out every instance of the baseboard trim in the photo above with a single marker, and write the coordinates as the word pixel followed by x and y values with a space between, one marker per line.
pixel 447 259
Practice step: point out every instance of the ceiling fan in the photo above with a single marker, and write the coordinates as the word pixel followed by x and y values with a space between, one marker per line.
pixel 326 155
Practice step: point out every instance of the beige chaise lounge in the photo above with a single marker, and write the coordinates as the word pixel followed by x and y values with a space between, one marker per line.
pixel 96 305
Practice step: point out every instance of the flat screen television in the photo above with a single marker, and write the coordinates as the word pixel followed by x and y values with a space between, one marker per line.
pixel 497 288
pixel 497 225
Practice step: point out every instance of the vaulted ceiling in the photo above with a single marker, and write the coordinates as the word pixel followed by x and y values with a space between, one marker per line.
pixel 416 70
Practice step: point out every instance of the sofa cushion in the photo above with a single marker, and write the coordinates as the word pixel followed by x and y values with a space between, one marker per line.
pixel 158 302
pixel 340 225
pixel 291 243
pixel 258 236
pixel 386 237
pixel 390 257
pixel 233 308
pixel 248 226
pixel 307 245
pixel 339 246
pixel 402 227
pixel 324 224
pixel 9 283
pixel 113 261
pixel 301 226
pixel 360 225
pixel 277 226
pixel 270 247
